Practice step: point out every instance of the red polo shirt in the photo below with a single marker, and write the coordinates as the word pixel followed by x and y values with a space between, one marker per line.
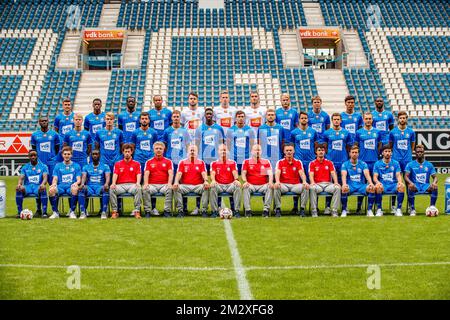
pixel 257 171
pixel 192 171
pixel 289 171
pixel 159 170
pixel 322 170
pixel 127 171
pixel 224 171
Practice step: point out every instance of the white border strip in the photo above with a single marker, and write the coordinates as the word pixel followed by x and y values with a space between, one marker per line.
pixel 244 286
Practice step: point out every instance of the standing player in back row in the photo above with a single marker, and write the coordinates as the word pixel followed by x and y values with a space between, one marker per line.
pixel 109 141
pixel 192 117
pixel 224 114
pixel 64 121
pixel 128 120
pixel 143 139
pixel 80 141
pixel 160 118
pixel 271 137
pixel 318 119
pixel 255 114
pixel 95 120
pixel 351 121
pixel 286 116
pixel 382 120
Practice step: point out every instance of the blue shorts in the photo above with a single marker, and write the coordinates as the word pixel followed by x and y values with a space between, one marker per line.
pixel 359 188
pixel 390 188
pixel 94 190
pixel 306 169
pixel 403 165
pixel 64 189
pixel 31 189
pixel 422 188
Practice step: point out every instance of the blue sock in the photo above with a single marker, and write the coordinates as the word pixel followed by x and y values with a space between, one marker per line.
pixel 73 203
pixel 434 196
pixel 379 200
pixel 231 203
pixel 344 200
pixel 153 202
pixel 105 201
pixel 219 202
pixel 19 201
pixel 197 199
pixel 359 205
pixel 44 201
pixel 392 201
pixel 38 203
pixel 82 201
pixel 185 203
pixel 371 200
pixel 400 197
pixel 328 202
pixel 54 203
pixel 295 202
pixel 411 199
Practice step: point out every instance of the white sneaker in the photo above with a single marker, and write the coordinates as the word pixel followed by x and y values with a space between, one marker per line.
pixel 398 213
pixel 104 216
pixel 72 215
pixel 379 213
pixel 83 215
pixel 195 212
pixel 412 213
pixel 393 210
pixel 327 211
pixel 55 215
pixel 369 213
pixel 334 214
pixel 314 214
pixel 155 212
pixel 343 213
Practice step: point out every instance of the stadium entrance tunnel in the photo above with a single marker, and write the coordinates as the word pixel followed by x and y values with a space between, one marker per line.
pixel 322 47
pixel 102 49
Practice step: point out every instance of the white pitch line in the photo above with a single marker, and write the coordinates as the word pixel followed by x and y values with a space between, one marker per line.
pixel 244 286
pixel 168 268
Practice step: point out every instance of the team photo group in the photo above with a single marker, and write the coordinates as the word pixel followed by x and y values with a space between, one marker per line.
pixel 215 153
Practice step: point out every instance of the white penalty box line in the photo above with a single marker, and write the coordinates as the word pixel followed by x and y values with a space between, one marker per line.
pixel 249 268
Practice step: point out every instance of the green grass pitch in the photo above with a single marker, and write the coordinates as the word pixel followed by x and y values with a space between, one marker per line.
pixel 190 258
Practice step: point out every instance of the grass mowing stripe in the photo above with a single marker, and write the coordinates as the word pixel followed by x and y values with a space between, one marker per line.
pixel 243 285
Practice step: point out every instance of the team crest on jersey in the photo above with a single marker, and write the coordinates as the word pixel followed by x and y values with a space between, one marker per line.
pixel 407 135
pixel 228 169
pixel 72 169
pixel 426 169
pixel 359 170
pixel 163 164
pixel 196 168
pixel 326 167
pixel 131 169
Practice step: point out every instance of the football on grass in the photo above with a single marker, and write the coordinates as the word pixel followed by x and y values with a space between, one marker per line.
pixel 225 213
pixel 26 214
pixel 432 211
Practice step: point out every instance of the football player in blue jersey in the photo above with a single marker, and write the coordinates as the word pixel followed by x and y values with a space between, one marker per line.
pixel 351 120
pixel 177 139
pixel 271 137
pixel 128 120
pixel 66 180
pixel 387 177
pixel 305 140
pixel 318 119
pixel 95 180
pixel 240 139
pixel 95 120
pixel 417 177
pixel 109 141
pixel 143 139
pixel 382 120
pixel 64 121
pixel 286 116
pixel 356 179
pixel 80 141
pixel 337 142
pixel 160 118
pixel 402 140
pixel 208 137
pixel 32 181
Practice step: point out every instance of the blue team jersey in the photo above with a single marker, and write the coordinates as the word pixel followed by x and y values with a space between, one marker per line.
pixel 368 144
pixel 109 142
pixel 63 123
pixel 304 143
pixel 209 138
pixel 387 172
pixel 239 140
pixel 45 144
pixel 96 175
pixel 143 141
pixel 337 142
pixel 128 123
pixel 382 121
pixel 288 119
pixel 160 120
pixel 67 174
pixel 420 173
pixel 33 174
pixel 94 122
pixel 401 144
pixel 351 123
pixel 319 122
pixel 271 140
pixel 177 142
pixel 79 141
pixel 355 173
